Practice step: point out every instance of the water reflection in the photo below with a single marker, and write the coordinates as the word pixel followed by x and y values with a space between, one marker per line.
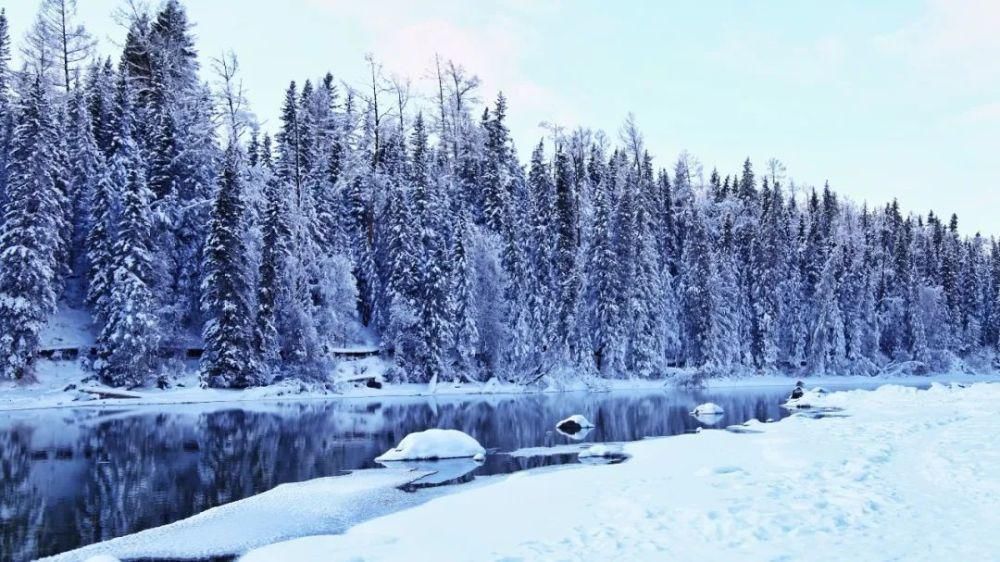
pixel 74 477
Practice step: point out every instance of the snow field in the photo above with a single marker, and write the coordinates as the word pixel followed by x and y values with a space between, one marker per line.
pixel 907 475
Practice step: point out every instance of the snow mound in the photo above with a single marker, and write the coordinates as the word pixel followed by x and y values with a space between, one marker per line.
pixel 574 424
pixel 102 558
pixel 434 444
pixel 708 409
pixel 602 450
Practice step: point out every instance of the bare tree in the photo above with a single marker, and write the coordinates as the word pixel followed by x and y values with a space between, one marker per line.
pixel 377 112
pixel 401 87
pixel 777 170
pixel 56 44
pixel 632 139
pixel 232 95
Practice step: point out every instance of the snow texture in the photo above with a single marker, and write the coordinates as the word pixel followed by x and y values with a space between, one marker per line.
pixel 434 444
pixel 907 475
pixel 323 505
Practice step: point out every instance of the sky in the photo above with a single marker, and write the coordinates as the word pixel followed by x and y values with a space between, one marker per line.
pixel 897 98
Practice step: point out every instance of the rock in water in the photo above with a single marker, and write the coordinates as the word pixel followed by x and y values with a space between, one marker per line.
pixel 708 409
pixel 434 444
pixel 574 424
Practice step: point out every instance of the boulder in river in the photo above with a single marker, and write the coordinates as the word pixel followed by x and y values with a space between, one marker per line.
pixel 434 444
pixel 574 424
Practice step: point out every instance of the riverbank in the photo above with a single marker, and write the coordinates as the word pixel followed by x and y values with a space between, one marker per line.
pixel 64 384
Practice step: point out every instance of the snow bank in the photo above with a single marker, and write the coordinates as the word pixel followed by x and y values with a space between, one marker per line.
pixel 708 409
pixel 323 505
pixel 603 450
pixel 527 452
pixel 434 444
pixel 908 475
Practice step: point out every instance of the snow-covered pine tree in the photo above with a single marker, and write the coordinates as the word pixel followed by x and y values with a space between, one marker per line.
pixel 6 104
pixel 30 240
pixel 100 87
pixel 129 341
pixel 496 165
pixel 229 360
pixel 696 296
pixel 273 264
pixel 429 207
pixel 541 298
pixel 465 333
pixel 85 167
pixel 123 159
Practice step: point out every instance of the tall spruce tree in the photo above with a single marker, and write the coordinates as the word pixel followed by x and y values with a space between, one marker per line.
pixel 229 359
pixel 30 240
pixel 129 341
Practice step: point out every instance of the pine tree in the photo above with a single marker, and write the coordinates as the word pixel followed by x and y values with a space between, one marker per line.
pixel 6 105
pixel 431 306
pixel 30 241
pixel 465 333
pixel 229 359
pixel 85 167
pixel 567 243
pixel 542 295
pixel 495 173
pixel 273 263
pixel 123 159
pixel 129 340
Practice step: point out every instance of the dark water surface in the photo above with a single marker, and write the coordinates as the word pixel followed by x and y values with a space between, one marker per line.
pixel 74 477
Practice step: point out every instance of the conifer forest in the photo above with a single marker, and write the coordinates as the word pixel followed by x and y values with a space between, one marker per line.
pixel 142 189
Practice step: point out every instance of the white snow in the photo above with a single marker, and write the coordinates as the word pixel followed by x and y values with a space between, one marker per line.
pixel 434 444
pixel 906 475
pixel 323 505
pixel 67 328
pixel 578 419
pixel 602 450
pixel 708 409
pixel 102 558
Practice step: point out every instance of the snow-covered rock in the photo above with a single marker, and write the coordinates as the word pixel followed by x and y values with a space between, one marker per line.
pixel 602 453
pixel 809 399
pixel 602 450
pixel 434 444
pixel 708 409
pixel 574 424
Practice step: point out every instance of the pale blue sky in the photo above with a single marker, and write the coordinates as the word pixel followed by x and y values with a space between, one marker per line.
pixel 896 98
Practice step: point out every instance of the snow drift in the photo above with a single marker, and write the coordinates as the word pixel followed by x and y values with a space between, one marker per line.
pixel 434 444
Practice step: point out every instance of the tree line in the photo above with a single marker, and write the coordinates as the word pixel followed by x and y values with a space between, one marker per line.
pixel 151 197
